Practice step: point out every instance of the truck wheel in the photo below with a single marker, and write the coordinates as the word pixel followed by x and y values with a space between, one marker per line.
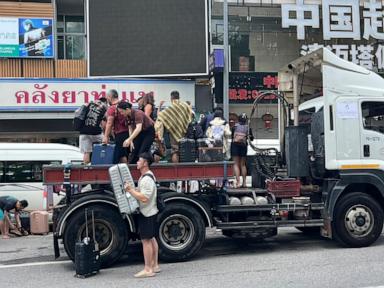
pixel 181 232
pixel 110 229
pixel 357 221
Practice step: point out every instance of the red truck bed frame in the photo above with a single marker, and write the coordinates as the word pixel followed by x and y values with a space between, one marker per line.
pixel 167 172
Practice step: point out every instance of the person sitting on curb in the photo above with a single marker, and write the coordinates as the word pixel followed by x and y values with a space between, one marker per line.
pixel 8 203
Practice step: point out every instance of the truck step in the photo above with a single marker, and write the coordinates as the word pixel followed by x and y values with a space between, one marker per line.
pixel 269 207
pixel 269 224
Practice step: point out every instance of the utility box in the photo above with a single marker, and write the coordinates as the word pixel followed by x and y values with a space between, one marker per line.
pixel 296 151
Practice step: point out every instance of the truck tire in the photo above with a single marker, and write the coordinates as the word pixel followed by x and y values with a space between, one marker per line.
pixel 357 221
pixel 111 233
pixel 181 232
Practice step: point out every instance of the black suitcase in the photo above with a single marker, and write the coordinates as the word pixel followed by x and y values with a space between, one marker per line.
pixel 187 150
pixel 25 221
pixel 87 254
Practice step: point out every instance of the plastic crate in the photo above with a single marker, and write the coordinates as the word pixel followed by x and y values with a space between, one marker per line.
pixel 285 188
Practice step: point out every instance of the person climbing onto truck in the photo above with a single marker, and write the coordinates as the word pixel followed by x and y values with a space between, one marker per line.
pixel 141 130
pixel 116 124
pixel 8 203
pixel 147 195
pixel 240 133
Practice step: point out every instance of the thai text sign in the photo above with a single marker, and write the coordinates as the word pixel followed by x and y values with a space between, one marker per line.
pixel 26 37
pixel 64 95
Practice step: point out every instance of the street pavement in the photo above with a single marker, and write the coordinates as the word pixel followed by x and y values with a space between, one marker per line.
pixel 289 260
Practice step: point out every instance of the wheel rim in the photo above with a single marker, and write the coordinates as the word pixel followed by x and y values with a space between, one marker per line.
pixel 103 234
pixel 176 232
pixel 359 221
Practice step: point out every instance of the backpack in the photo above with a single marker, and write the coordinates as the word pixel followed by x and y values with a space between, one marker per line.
pixel 240 134
pixel 79 119
pixel 194 131
pixel 218 132
pixel 159 199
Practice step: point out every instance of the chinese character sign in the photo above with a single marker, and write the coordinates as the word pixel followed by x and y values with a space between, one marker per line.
pixel 341 18
pixel 298 11
pixel 247 87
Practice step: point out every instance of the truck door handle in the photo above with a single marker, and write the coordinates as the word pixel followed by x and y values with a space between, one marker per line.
pixel 366 151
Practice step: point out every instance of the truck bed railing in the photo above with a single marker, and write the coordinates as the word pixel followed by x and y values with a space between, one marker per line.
pixel 164 172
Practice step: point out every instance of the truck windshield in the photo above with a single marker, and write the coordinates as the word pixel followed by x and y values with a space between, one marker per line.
pixel 373 116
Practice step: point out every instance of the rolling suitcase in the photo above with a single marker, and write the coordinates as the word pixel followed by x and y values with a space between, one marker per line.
pixel 187 150
pixel 87 253
pixel 25 220
pixel 39 222
pixel 102 154
pixel 119 174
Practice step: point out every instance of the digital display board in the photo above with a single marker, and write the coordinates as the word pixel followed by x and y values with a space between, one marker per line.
pixel 147 38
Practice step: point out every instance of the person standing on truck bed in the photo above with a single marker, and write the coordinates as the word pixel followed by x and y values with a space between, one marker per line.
pixel 175 119
pixel 118 123
pixel 142 132
pixel 239 146
pixel 91 132
pixel 8 203
pixel 147 197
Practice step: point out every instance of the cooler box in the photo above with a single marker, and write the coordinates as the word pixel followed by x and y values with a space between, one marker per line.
pixel 39 222
pixel 102 154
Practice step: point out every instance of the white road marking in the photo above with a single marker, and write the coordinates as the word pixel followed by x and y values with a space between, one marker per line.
pixel 34 264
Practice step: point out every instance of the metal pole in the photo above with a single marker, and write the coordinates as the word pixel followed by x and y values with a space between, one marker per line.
pixel 296 100
pixel 226 63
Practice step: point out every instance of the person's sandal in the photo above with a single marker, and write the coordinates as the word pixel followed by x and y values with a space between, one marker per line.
pixel 144 274
pixel 157 270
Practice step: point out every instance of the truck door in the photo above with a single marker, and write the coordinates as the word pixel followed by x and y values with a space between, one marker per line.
pixel 372 132
pixel 347 122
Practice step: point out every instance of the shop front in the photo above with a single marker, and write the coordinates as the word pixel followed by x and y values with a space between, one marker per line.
pixel 41 110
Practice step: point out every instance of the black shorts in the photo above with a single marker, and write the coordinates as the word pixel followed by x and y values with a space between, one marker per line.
pixel 147 226
pixel 238 149
pixel 142 143
pixel 120 151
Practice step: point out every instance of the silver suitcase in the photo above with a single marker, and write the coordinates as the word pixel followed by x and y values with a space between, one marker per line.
pixel 120 174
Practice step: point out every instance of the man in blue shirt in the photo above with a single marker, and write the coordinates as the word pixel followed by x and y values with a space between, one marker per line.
pixel 8 203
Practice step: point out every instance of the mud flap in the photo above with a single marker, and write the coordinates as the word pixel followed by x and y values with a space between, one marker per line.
pixel 56 246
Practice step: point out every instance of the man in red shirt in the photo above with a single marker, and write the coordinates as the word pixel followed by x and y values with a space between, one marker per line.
pixel 118 123
pixel 141 130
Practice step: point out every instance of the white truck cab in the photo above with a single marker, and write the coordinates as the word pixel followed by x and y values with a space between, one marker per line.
pixel 353 108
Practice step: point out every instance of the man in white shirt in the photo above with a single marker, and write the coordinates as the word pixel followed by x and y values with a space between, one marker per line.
pixel 146 194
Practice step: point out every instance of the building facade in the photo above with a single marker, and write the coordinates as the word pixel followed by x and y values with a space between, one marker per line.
pixel 264 35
